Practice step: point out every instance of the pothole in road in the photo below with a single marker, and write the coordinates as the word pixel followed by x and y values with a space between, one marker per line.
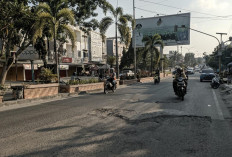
pixel 154 117
pixel 110 112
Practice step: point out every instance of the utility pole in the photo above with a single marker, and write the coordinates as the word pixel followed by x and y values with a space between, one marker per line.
pixel 116 44
pixel 134 38
pixel 220 51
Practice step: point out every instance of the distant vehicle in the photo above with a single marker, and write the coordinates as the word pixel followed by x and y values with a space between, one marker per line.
pixel 197 69
pixel 128 73
pixel 207 74
pixel 190 71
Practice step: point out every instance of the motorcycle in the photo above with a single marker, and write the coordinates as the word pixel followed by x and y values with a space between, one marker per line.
pixel 108 86
pixel 156 80
pixel 215 83
pixel 181 88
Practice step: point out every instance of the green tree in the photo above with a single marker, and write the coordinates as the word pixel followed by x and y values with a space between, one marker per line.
pixel 103 27
pixel 86 9
pixel 122 25
pixel 150 45
pixel 175 59
pixel 189 59
pixel 56 16
pixel 111 60
pixel 40 47
pixel 16 30
pixel 166 62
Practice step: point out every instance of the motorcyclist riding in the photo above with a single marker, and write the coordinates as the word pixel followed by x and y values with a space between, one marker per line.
pixel 179 73
pixel 112 79
pixel 157 76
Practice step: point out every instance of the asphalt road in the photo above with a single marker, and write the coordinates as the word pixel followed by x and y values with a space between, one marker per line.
pixel 141 120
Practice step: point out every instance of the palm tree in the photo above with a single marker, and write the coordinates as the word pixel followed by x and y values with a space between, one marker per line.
pixel 56 16
pixel 121 24
pixel 103 27
pixel 150 43
pixel 175 59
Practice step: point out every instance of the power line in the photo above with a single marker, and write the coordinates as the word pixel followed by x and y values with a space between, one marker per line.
pixel 197 17
pixel 148 4
pixel 184 9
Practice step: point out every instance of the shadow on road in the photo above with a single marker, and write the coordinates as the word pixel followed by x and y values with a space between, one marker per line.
pixel 142 135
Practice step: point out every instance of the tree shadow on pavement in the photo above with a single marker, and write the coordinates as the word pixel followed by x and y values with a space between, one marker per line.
pixel 124 133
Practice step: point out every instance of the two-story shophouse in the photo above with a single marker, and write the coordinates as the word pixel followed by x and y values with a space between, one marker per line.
pixel 88 51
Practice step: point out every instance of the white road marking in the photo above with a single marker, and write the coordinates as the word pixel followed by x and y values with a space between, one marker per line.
pixel 209 105
pixel 220 114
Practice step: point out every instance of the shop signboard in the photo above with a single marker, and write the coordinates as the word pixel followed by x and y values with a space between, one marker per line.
pixel 64 67
pixel 28 66
pixel 66 60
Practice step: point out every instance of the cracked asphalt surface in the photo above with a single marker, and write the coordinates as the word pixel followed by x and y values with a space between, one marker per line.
pixel 142 120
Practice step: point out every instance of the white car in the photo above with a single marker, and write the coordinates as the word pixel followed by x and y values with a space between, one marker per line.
pixel 190 71
pixel 128 73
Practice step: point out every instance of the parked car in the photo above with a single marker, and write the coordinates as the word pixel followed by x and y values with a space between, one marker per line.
pixel 207 74
pixel 190 71
pixel 128 73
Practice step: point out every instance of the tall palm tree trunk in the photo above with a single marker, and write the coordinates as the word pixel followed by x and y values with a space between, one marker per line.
pixel 116 45
pixel 56 54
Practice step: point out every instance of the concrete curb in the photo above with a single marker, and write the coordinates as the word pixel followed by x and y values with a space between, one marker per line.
pixel 51 98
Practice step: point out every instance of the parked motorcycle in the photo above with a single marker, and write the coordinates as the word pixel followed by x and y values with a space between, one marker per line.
pixel 156 79
pixel 108 86
pixel 181 88
pixel 215 83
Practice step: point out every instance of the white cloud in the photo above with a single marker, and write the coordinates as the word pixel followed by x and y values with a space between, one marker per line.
pixel 212 4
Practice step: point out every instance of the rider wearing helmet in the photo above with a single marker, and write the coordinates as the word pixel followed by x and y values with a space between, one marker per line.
pixel 179 73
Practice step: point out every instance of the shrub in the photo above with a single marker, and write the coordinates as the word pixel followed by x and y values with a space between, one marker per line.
pixel 76 82
pixel 2 90
pixel 47 76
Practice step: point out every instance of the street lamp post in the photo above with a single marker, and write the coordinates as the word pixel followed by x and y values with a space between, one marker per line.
pixel 134 37
pixel 183 26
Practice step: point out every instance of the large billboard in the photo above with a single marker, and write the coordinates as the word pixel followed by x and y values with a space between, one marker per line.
pixel 168 27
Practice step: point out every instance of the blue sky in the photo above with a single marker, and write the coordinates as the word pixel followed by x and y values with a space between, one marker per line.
pixel 209 16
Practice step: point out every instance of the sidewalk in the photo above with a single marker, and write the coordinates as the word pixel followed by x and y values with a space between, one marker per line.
pixel 226 94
